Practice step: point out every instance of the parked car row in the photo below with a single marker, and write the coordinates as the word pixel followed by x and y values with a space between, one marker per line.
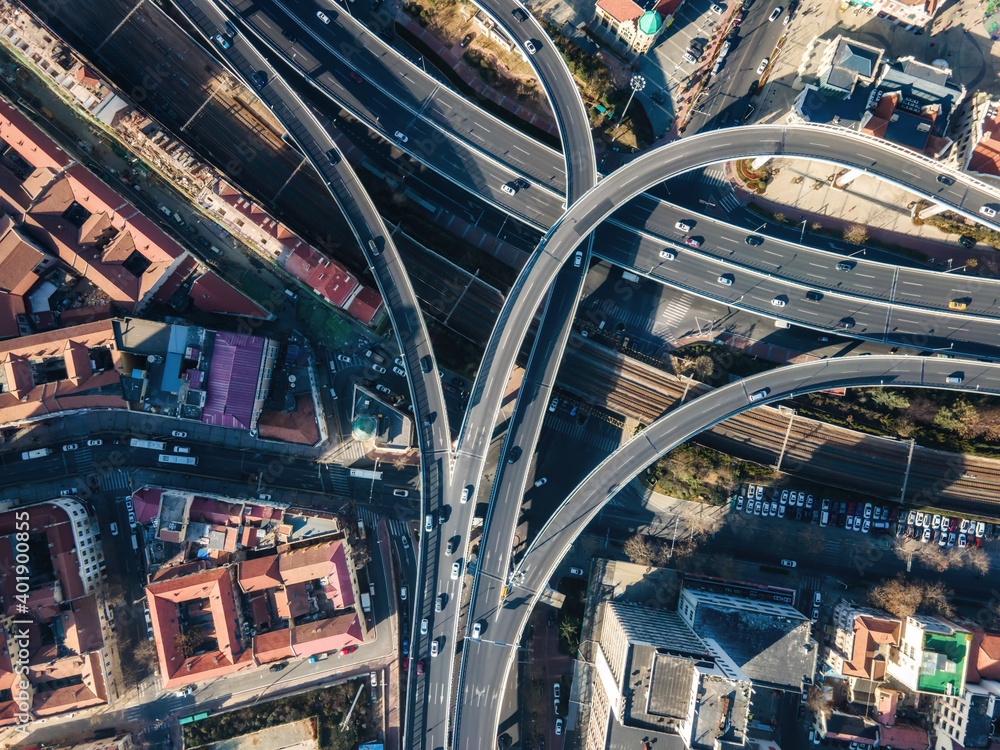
pixel 946 531
pixel 799 506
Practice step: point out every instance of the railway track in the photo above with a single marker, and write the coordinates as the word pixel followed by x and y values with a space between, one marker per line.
pixel 813 450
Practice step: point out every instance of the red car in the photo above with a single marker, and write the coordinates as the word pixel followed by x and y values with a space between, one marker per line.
pixel 406 663
pixel 420 667
pixel 692 241
pixel 355 77
pixel 348 650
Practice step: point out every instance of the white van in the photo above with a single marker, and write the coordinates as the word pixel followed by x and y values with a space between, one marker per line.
pixel 181 449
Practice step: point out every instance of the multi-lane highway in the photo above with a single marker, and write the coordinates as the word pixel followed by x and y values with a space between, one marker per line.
pixel 502 624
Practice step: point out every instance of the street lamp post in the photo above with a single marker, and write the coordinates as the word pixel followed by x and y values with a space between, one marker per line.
pixel 638 83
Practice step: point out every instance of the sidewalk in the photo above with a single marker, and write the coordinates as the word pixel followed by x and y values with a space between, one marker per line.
pixel 880 207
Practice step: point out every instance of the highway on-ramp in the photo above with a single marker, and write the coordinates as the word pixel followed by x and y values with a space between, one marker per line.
pixel 503 625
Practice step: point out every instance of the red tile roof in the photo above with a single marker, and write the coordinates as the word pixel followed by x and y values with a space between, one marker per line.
pixel 297 426
pixel 366 306
pixel 29 141
pixel 214 294
pixel 621 10
pixel 985 157
pixel 259 574
pixel 984 656
pixel 323 636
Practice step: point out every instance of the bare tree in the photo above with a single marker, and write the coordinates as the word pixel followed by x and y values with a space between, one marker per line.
pixel 977 560
pixel 780 218
pixel 856 234
pixel 638 549
pixel 897 597
pixel 817 702
pixel 704 367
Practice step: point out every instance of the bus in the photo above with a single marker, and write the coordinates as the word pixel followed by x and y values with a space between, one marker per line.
pixel 37 453
pixel 169 458
pixel 194 717
pixel 153 445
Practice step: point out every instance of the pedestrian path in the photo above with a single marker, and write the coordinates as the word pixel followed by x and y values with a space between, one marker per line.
pixel 340 483
pixel 671 314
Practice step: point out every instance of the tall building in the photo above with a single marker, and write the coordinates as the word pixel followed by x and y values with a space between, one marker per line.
pixel 863 638
pixel 931 656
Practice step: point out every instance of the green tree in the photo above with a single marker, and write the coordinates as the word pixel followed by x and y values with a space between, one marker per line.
pixel 890 399
pixel 569 629
pixel 945 419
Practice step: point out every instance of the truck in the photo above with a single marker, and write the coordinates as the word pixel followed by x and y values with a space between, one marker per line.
pixel 153 445
pixel 168 458
pixel 37 453
pixel 366 603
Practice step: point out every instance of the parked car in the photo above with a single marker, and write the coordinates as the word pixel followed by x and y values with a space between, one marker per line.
pixel 789 563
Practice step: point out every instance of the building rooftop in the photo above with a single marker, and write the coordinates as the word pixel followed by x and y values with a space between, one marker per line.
pixel 942 668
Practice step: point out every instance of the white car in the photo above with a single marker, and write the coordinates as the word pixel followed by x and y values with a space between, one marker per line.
pixel 725 279
pixel 716 9
pixel 434 648
pixel 760 492
pixel 559 726
pixel 962 528
pixel 779 301
pixel 554 404
pixel 988 211
pixel 423 626
pixel 71 447
pixel 465 496
pixel 789 563
pixel 757 508
pixel 93 443
pixel 477 629
pixel 868 510
pixel 961 540
pixel 399 361
pixel 530 46
pixel 774 14
pixel 919 520
pixel 456 569
pixel 682 226
pixel 668 254
pixel 178 434
pixel 784 496
pixel 399 371
pixel 763 65
pixel 322 16
pixel 926 536
pixel 382 388
pixel 114 529
pixel 509 189
pixel 379 369
pixel 401 136
pixel 344 358
pixel 866 527
pixel 980 528
pixel 541 482
pixel 185 692
pixel 373 678
pixel 936 522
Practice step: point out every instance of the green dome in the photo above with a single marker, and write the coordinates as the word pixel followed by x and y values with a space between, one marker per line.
pixel 650 22
pixel 364 428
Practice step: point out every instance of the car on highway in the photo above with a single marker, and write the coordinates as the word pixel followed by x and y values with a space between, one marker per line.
pixel 774 14
pixel 456 569
pixel 988 211
pixel 429 522
pixel 530 46
pixel 758 395
pixel 780 301
pixel 845 323
pixel 465 496
pixel 450 549
pixel 70 447
pixel 467 39
pixel 846 265
pixel 509 188
pixel 813 296
pixel 693 241
pixel 789 563
pixel 763 65
pixel 514 454
pixel 754 240
pixel 815 614
pixel 787 20
pixel 945 179
pixel 354 76
pixel 401 136
pixel 221 41
pixel 178 434
pixel 259 78
pixel 726 279
pixel 379 369
pixel 957 304
pixel 668 254
pixel 439 603
pixel 683 226
pixel 322 16
pixel 434 648
pixel 519 14
pixel 477 628
pixel 420 667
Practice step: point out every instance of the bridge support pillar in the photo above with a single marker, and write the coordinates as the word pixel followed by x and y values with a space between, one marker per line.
pixel 847 178
pixel 759 162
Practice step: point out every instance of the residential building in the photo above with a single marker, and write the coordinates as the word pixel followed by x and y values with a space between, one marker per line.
pixel 903 101
pixel 863 638
pixel 977 147
pixel 328 279
pixel 931 657
pixel 771 642
pixel 63 627
pixel 968 718
pixel 635 28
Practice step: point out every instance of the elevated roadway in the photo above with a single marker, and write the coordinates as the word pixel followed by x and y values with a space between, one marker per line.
pixel 434 434
pixel 504 622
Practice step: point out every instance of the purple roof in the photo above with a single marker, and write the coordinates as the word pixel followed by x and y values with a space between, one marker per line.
pixel 194 379
pixel 232 380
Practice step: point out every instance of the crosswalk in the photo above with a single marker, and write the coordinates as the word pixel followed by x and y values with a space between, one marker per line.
pixel 730 202
pixel 716 177
pixel 586 433
pixel 350 451
pixel 340 483
pixel 115 480
pixel 397 527
pixel 673 312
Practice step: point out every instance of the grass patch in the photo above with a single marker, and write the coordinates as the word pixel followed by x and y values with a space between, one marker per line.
pixel 693 472
pixel 323 322
pixel 328 706
pixel 257 289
